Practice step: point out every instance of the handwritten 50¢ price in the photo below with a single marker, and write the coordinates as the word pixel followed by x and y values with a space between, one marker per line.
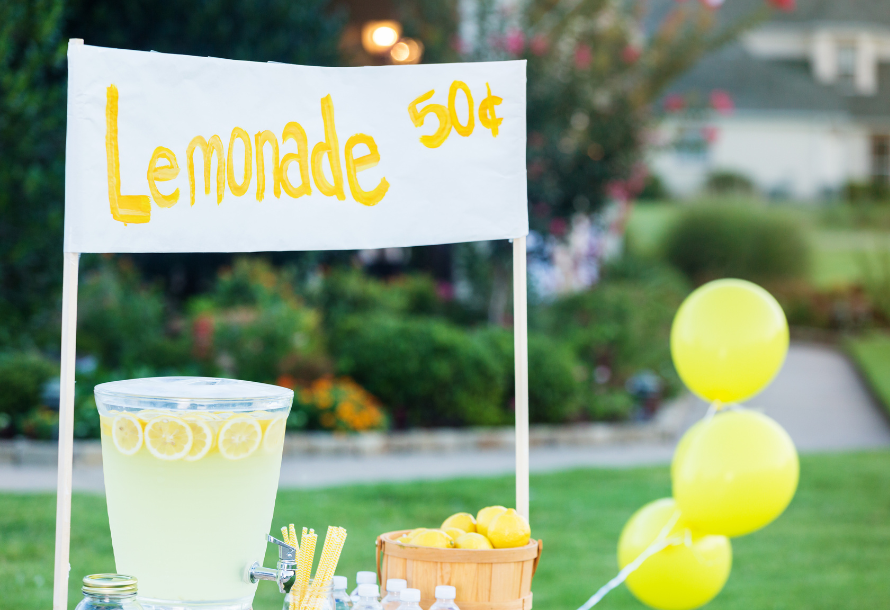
pixel 448 118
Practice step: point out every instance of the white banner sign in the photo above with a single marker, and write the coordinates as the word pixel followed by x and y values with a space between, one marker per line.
pixel 170 153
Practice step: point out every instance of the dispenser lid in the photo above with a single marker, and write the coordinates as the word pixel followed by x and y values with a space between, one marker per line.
pixel 192 393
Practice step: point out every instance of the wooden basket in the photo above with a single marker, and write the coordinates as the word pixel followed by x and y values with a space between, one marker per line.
pixel 496 579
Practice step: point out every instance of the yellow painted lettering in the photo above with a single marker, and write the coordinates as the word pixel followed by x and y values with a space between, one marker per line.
pixel 353 166
pixel 262 138
pixel 124 208
pixel 463 130
pixel 418 116
pixel 294 131
pixel 331 148
pixel 207 149
pixel 239 189
pixel 163 174
pixel 487 116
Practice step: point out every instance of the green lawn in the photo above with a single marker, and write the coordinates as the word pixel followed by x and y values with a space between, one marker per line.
pixel 872 354
pixel 828 551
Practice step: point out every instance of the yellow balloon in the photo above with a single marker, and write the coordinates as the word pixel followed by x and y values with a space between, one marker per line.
pixel 734 473
pixel 678 577
pixel 728 340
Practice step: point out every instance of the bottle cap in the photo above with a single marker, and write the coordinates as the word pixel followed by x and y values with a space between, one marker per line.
pixel 410 595
pixel 109 584
pixel 396 584
pixel 366 578
pixel 340 582
pixel 368 590
pixel 446 592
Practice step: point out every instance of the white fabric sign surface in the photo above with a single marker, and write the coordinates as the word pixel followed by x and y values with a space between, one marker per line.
pixel 300 158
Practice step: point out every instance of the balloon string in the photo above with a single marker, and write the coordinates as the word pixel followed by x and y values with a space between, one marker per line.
pixel 659 544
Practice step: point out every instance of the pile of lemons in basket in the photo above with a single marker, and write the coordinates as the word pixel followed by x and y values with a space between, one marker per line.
pixel 494 527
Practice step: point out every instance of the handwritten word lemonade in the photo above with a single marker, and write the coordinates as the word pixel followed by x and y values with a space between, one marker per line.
pixel 191 470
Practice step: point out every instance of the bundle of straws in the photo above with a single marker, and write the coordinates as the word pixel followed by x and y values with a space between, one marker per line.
pixel 302 595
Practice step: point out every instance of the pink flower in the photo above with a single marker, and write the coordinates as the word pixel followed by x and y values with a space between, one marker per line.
pixel 515 42
pixel 710 133
pixel 558 227
pixel 445 291
pixel 539 44
pixel 674 102
pixel 583 56
pixel 783 5
pixel 712 3
pixel 630 54
pixel 458 44
pixel 722 102
pixel 617 190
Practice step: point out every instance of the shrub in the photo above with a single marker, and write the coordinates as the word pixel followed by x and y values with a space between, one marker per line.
pixel 617 328
pixel 709 242
pixel 874 191
pixel 22 377
pixel 427 372
pixel 726 182
pixel 553 390
pixel 125 323
pixel 333 404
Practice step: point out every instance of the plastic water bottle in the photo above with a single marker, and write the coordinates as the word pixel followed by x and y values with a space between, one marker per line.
pixel 410 599
pixel 342 601
pixel 393 587
pixel 445 595
pixel 367 598
pixel 363 578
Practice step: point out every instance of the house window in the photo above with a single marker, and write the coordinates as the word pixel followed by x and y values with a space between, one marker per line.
pixel 846 65
pixel 880 158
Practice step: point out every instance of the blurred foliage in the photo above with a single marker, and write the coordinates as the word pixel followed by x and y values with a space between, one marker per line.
pixel 654 189
pixel 330 403
pixel 553 390
pixel 726 182
pixel 22 377
pixel 617 329
pixel 427 371
pixel 32 162
pixel 865 192
pixel 708 242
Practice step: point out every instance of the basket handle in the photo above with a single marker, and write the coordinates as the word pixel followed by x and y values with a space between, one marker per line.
pixel 538 557
pixel 377 562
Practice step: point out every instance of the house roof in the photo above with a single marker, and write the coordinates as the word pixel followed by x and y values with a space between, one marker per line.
pixel 788 86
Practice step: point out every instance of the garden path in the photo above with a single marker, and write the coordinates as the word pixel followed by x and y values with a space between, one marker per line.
pixel 818 397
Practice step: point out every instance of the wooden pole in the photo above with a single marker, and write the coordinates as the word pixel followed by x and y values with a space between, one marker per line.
pixel 520 345
pixel 66 431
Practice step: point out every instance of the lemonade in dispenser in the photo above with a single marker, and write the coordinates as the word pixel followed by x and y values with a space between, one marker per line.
pixel 191 470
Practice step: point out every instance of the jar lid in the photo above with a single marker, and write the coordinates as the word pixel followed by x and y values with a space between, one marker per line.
pixel 192 393
pixel 109 584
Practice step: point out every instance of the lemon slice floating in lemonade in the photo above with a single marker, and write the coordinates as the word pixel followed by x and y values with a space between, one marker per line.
pixel 126 432
pixel 168 438
pixel 274 435
pixel 202 437
pixel 239 437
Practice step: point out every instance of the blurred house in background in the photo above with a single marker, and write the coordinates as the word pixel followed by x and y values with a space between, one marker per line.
pixel 800 105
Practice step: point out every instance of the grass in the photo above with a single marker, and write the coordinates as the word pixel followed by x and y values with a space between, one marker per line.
pixel 828 551
pixel 840 236
pixel 872 354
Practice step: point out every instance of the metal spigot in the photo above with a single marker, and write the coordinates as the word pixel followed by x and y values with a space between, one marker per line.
pixel 283 574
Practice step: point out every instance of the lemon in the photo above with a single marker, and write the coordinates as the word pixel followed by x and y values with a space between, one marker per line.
pixel 509 529
pixel 433 538
pixel 126 432
pixel 273 437
pixel 454 532
pixel 202 437
pixel 149 414
pixel 485 516
pixel 464 521
pixel 473 540
pixel 406 538
pixel 168 437
pixel 239 437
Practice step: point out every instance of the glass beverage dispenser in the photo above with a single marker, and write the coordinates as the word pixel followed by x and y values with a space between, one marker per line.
pixel 191 470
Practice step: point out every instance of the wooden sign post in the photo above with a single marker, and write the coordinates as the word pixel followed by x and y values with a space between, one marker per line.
pixel 171 153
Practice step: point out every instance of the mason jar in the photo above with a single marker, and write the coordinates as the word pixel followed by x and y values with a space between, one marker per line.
pixel 109 592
